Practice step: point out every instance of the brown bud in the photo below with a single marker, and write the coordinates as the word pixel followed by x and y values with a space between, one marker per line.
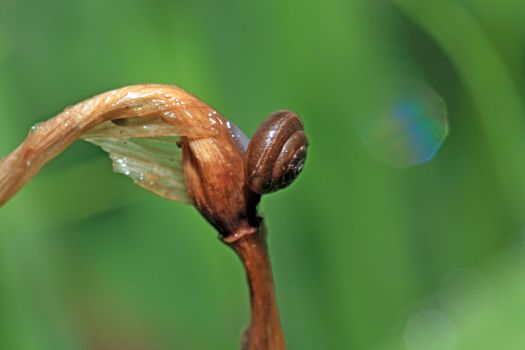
pixel 215 179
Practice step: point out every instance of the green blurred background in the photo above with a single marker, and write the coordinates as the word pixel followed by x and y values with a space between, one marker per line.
pixel 366 256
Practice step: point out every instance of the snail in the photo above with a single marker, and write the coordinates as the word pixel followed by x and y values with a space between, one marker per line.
pixel 276 153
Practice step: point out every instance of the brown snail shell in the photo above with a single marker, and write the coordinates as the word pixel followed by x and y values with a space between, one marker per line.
pixel 276 153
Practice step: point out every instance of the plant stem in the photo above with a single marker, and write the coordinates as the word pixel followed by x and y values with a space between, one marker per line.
pixel 264 332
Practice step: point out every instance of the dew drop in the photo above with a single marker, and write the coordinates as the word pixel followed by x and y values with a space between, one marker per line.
pixel 36 127
pixel 170 115
pixel 238 136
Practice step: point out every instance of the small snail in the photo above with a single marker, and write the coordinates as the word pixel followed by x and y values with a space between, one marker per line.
pixel 276 153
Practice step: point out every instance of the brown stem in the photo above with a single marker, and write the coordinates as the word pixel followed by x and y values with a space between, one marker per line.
pixel 264 332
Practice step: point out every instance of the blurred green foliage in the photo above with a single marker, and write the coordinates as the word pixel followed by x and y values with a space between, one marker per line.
pixel 365 256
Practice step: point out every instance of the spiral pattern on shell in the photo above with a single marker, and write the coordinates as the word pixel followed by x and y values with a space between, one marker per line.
pixel 276 153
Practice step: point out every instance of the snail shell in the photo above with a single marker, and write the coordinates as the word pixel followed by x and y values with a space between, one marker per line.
pixel 276 153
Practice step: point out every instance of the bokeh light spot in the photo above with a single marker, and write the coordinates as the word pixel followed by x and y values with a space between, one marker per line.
pixel 465 291
pixel 430 330
pixel 406 126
